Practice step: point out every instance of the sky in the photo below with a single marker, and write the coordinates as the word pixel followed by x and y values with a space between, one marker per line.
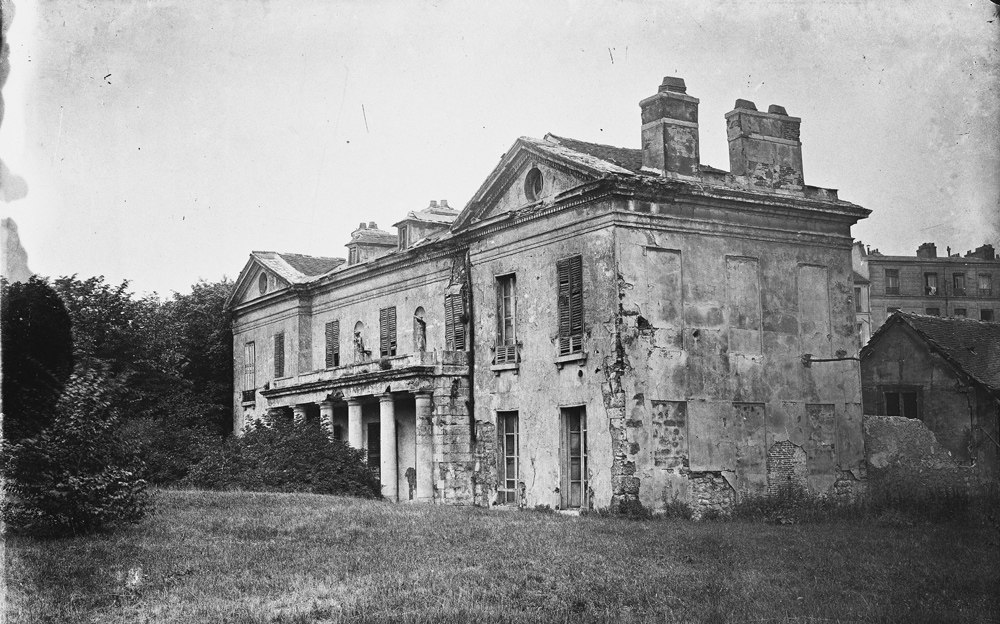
pixel 161 142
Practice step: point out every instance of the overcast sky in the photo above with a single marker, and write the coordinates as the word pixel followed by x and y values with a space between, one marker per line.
pixel 163 141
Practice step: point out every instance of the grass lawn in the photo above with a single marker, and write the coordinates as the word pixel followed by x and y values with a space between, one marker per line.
pixel 254 558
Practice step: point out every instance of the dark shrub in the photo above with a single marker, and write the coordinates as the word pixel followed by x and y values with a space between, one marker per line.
pixel 77 475
pixel 280 456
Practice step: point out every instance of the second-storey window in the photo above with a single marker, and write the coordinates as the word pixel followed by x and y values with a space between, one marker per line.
pixel 454 322
pixel 958 283
pixel 279 354
pixel 506 347
pixel 570 305
pixel 985 285
pixel 857 299
pixel 892 281
pixel 333 344
pixel 387 331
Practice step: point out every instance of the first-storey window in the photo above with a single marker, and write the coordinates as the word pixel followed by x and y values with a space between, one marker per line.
pixel 509 479
pixel 933 311
pixel 279 354
pixel 506 347
pixel 570 305
pixel 892 281
pixel 986 315
pixel 249 371
pixel 387 331
pixel 574 491
pixel 930 284
pixel 985 285
pixel 333 344
pixel 958 283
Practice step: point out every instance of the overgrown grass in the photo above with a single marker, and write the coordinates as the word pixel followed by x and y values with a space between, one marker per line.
pixel 286 558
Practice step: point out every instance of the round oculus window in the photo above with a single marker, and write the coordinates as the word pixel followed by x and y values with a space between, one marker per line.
pixel 533 184
pixel 262 283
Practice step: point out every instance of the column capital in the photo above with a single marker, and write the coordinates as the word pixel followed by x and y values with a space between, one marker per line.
pixel 386 398
pixel 353 401
pixel 326 404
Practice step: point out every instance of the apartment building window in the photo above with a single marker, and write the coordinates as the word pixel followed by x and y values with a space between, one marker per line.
pixel 454 321
pixel 985 285
pixel 570 305
pixel 249 372
pixel 574 491
pixel 902 401
pixel 509 469
pixel 506 346
pixel 986 315
pixel 892 281
pixel 402 230
pixel 930 284
pixel 958 283
pixel 857 299
pixel 932 311
pixel 333 344
pixel 961 312
pixel 279 354
pixel 387 331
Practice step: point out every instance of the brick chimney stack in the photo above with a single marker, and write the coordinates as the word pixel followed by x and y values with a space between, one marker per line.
pixel 927 250
pixel 765 147
pixel 670 130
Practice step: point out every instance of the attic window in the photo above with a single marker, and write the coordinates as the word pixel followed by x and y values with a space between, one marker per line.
pixel 533 184
pixel 262 283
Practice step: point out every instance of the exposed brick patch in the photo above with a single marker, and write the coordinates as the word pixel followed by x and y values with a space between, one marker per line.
pixel 786 468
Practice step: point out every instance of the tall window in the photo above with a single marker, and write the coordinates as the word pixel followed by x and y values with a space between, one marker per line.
pixel 402 237
pixel 333 344
pixel 387 331
pixel 454 321
pixel 279 354
pixel 509 469
pixel 985 285
pixel 958 282
pixel 570 304
pixel 506 347
pixel 930 284
pixel 892 281
pixel 857 299
pixel 574 458
pixel 249 371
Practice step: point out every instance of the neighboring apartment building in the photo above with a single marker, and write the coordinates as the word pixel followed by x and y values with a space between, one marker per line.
pixel 862 294
pixel 597 325
pixel 953 285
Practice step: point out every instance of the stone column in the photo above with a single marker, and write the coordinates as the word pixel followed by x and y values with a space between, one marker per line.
pixel 354 433
pixel 326 417
pixel 425 448
pixel 387 431
pixel 299 414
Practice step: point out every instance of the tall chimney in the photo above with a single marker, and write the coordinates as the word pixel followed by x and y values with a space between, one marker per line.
pixel 670 130
pixel 765 147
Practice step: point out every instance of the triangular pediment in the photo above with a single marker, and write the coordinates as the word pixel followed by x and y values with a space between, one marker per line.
pixel 532 172
pixel 256 281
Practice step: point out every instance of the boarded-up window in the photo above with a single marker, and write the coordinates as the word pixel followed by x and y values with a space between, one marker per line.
pixel 279 354
pixel 570 304
pixel 454 321
pixel 814 310
pixel 669 429
pixel 387 331
pixel 743 294
pixel 506 344
pixel 660 298
pixel 333 344
pixel 820 444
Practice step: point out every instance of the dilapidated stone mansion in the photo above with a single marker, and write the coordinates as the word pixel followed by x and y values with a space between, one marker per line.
pixel 598 324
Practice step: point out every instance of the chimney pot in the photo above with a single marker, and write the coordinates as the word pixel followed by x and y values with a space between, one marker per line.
pixel 361 226
pixel 434 203
pixel 927 250
pixel 673 84
pixel 774 109
pixel 745 104
pixel 444 203
pixel 372 226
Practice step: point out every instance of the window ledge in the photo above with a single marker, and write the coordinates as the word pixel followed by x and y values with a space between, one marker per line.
pixel 562 360
pixel 508 366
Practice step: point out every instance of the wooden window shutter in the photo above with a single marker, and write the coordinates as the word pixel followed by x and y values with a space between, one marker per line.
pixel 333 344
pixel 570 304
pixel 454 328
pixel 387 331
pixel 279 354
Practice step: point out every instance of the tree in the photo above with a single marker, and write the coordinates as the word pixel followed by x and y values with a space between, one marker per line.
pixel 37 355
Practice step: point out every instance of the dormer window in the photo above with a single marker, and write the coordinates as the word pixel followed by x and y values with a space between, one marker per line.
pixel 402 229
pixel 352 255
pixel 533 184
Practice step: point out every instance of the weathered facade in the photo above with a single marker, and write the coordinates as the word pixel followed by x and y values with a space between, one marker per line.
pixel 945 374
pixel 600 324
pixel 951 285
